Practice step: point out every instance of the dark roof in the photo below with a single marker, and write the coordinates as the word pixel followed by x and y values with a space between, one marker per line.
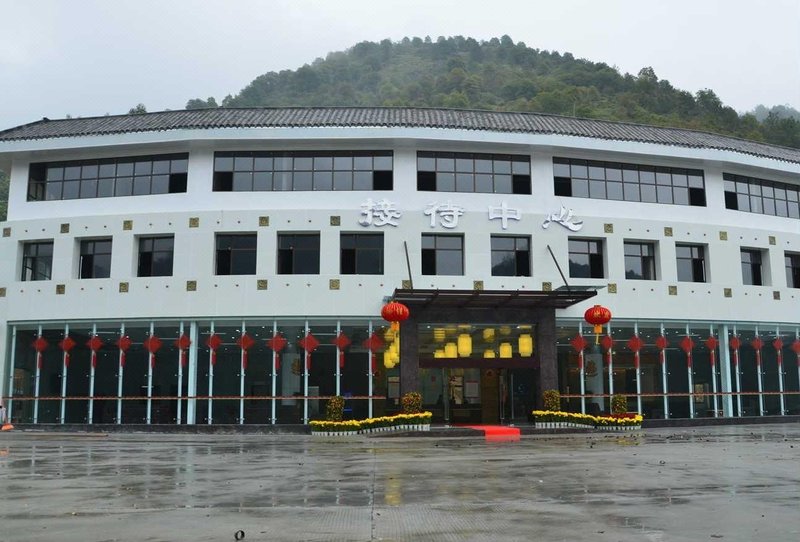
pixel 491 299
pixel 405 117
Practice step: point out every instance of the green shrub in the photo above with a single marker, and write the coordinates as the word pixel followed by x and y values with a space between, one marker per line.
pixel 412 402
pixel 619 404
pixel 334 412
pixel 552 400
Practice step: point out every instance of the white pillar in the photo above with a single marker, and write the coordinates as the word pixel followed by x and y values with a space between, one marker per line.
pixel 610 369
pixel 725 372
pixel 120 376
pixel 690 371
pixel 241 378
pixel 663 354
pixel 638 372
pixel 12 355
pixel 37 382
pixel 738 373
pixel 713 356
pixel 211 381
pixel 64 372
pixel 370 376
pixel 90 414
pixel 150 379
pixel 582 374
pixel 191 392
pixel 759 373
pixel 779 357
pixel 178 418
pixel 305 382
pixel 338 354
pixel 274 375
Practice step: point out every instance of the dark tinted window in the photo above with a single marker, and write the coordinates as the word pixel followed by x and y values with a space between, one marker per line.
pixel 236 254
pixel 95 259
pixel 298 254
pixel 155 256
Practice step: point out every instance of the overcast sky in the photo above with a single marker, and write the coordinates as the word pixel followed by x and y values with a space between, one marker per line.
pixel 91 57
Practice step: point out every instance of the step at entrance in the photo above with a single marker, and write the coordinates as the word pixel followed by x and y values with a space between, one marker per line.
pixel 497 433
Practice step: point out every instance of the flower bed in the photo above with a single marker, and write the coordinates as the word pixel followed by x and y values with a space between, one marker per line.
pixel 401 422
pixel 549 419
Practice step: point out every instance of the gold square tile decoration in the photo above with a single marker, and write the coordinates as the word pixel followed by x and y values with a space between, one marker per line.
pixel 262 284
pixel 333 284
pixel 477 285
pixel 123 287
pixel 2 292
pixel 608 228
pixel 776 295
pixel 336 220
pixel 194 222
pixel 673 290
pixel 547 286
pixel 406 285
pixel 127 225
pixel 612 287
pixel 772 240
pixel 64 228
pixel 263 221
pixel 191 285
pixel 667 231
pixel 60 289
pixel 723 236
pixel 6 232
pixel 727 292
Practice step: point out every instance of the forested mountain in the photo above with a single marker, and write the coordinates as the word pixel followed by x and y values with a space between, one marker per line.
pixel 499 74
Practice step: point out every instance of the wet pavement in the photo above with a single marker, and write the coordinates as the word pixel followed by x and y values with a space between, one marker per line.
pixel 706 483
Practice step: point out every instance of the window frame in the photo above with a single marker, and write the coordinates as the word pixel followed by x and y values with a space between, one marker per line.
pixel 756 272
pixel 149 266
pixel 88 257
pixel 761 196
pixel 236 256
pixel 520 257
pixel 30 262
pixel 646 262
pixel 594 264
pixel 288 257
pixel 792 264
pixel 470 173
pixel 697 262
pixel 360 254
pixel 432 258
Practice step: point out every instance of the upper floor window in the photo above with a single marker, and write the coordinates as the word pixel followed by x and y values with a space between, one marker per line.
pixel 472 172
pixel 155 256
pixel 361 253
pixel 95 259
pixel 236 254
pixel 442 254
pixel 586 258
pixel 37 260
pixel 760 196
pixel 640 260
pixel 792 269
pixel 691 262
pixel 109 177
pixel 298 254
pixel 511 256
pixel 752 268
pixel 628 182
pixel 302 171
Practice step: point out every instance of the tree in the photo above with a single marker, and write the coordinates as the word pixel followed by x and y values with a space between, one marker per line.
pixel 197 103
pixel 138 109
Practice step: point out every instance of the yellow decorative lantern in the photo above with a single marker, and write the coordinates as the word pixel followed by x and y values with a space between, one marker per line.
pixel 389 335
pixel 387 359
pixel 525 345
pixel 488 334
pixel 505 350
pixel 438 353
pixel 464 345
pixel 505 330
pixel 450 350
pixel 488 353
pixel 438 334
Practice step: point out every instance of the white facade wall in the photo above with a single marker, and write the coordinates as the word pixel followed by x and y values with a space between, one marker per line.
pixel 219 297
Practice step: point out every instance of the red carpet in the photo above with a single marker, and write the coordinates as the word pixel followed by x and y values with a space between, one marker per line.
pixel 498 433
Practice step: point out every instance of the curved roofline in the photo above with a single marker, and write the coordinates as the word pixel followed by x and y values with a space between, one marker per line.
pixel 392 116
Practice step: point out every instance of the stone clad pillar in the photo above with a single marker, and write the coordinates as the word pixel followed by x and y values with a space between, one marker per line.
pixel 545 349
pixel 409 355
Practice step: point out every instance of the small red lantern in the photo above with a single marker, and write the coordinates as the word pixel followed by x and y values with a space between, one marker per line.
pixel 395 313
pixel 598 316
pixel 277 343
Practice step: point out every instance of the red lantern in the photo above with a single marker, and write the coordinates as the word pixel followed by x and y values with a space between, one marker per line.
pixel 124 342
pixel 213 343
pixel 341 342
pixel 579 344
pixel 40 345
pixel 183 342
pixel 395 313
pixel 635 344
pixel 277 343
pixel 94 344
pixel 598 316
pixel 152 344
pixel 373 343
pixel 245 342
pixel 309 343
pixel 66 345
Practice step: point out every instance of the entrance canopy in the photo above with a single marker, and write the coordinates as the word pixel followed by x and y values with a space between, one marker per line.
pixel 493 299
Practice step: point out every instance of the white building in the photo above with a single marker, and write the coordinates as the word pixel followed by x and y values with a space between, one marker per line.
pixel 496 229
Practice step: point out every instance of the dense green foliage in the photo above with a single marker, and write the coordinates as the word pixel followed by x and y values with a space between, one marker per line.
pixel 499 74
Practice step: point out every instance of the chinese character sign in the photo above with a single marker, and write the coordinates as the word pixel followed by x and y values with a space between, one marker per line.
pixel 504 214
pixel 379 213
pixel 447 212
